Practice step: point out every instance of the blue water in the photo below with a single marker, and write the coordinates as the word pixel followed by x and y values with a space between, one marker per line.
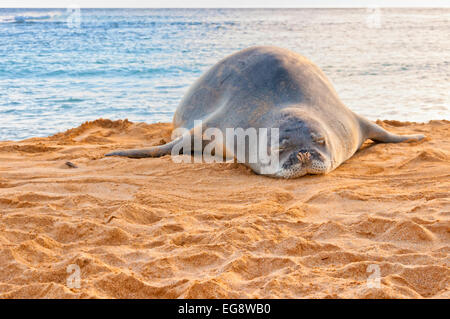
pixel 137 63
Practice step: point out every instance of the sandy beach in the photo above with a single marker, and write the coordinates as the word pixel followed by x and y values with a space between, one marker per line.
pixel 151 228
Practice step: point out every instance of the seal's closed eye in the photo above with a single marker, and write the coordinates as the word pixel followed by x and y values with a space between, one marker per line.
pixel 317 138
pixel 284 143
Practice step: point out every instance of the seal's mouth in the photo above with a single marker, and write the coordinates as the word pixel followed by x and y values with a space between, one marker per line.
pixel 302 163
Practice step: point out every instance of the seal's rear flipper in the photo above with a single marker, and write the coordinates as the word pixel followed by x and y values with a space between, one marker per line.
pixel 378 134
pixel 155 151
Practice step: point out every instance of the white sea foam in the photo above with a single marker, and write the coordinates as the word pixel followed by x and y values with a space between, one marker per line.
pixel 30 16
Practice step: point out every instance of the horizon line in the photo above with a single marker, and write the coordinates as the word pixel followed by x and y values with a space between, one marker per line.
pixel 243 7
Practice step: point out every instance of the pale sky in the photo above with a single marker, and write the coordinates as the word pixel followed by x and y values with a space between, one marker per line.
pixel 219 3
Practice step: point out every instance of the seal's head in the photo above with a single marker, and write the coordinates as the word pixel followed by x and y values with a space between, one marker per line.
pixel 304 147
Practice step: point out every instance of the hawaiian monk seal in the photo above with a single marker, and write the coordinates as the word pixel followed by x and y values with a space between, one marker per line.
pixel 267 87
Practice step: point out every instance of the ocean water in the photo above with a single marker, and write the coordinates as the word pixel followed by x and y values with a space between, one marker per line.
pixel 58 69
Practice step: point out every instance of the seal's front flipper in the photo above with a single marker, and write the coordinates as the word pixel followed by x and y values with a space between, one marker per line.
pixel 378 134
pixel 155 151
pixel 184 139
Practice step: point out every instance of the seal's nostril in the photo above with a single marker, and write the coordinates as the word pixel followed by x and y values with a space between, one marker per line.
pixel 308 155
pixel 303 156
